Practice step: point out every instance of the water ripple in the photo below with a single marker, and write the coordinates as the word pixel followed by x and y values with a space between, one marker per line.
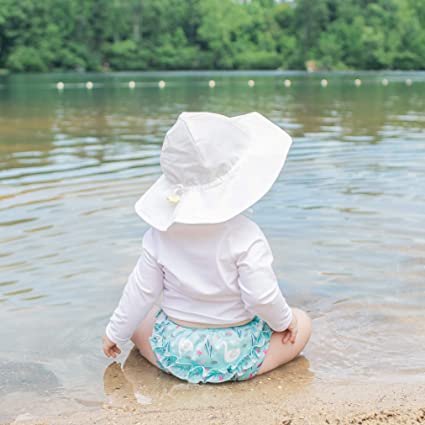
pixel 345 218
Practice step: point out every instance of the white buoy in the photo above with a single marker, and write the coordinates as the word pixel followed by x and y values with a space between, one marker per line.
pixel 385 82
pixel 357 82
pixel 89 85
pixel 60 85
pixel 131 84
pixel 251 83
pixel 287 83
pixel 408 82
pixel 211 83
pixel 324 83
pixel 161 84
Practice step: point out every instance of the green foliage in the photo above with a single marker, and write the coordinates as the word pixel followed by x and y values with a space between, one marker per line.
pixel 39 36
pixel 26 59
pixel 124 55
pixel 174 52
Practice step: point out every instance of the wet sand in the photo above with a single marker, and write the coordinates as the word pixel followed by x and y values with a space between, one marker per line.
pixel 138 393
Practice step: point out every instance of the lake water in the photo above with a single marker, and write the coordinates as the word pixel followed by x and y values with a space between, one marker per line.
pixel 346 219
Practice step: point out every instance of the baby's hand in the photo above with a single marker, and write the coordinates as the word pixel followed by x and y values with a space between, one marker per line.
pixel 110 348
pixel 291 333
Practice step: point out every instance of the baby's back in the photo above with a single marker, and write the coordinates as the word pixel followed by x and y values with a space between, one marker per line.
pixel 214 274
pixel 199 264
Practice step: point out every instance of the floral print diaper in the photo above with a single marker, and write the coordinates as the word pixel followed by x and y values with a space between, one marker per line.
pixel 200 355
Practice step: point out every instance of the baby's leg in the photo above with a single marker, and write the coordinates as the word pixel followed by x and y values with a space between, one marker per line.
pixel 141 336
pixel 280 353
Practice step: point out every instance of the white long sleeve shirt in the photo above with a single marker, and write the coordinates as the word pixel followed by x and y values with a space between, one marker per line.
pixel 208 273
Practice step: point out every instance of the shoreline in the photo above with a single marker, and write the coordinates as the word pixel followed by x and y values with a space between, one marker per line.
pixel 213 71
pixel 392 407
pixel 138 393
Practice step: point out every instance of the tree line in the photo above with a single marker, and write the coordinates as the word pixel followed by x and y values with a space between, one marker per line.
pixel 96 35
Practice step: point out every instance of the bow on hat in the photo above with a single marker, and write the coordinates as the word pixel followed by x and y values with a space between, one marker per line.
pixel 175 197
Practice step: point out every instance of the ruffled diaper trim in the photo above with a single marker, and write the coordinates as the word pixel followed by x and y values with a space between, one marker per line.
pixel 193 372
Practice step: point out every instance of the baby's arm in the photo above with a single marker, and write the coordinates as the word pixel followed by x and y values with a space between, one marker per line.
pixel 259 287
pixel 143 288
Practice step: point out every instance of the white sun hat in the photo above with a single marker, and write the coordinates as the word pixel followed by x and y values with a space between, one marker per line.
pixel 214 167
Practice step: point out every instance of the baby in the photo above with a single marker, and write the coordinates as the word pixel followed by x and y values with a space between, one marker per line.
pixel 222 316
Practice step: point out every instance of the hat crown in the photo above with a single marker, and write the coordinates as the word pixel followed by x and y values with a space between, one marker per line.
pixel 201 147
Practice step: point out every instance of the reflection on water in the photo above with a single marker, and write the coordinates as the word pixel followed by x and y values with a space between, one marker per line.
pixel 345 219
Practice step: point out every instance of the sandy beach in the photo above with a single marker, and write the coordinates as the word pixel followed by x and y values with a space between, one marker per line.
pixel 140 394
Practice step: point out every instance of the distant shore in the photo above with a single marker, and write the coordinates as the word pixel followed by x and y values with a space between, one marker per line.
pixel 278 71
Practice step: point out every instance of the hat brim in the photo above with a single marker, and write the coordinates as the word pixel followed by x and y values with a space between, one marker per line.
pixel 243 186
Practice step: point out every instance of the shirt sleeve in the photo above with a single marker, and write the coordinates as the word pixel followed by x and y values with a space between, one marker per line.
pixel 259 287
pixel 144 287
